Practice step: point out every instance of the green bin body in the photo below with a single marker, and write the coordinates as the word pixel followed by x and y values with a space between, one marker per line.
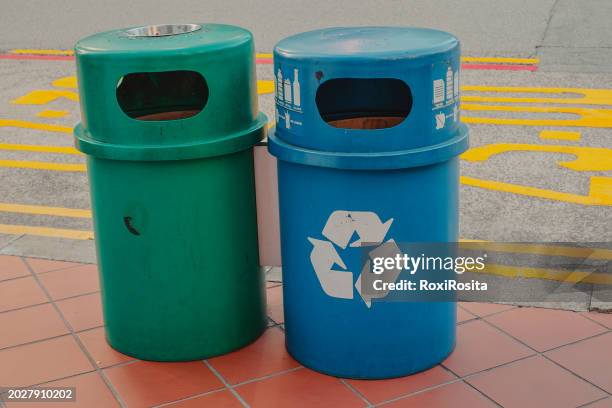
pixel 169 120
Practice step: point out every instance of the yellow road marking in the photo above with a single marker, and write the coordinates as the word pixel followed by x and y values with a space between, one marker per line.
pixel 36 165
pixel 546 274
pixel 264 55
pixel 538 249
pixel 45 232
pixel 42 52
pixel 39 148
pixel 597 118
pixel 587 158
pixel 587 96
pixel 52 114
pixel 265 87
pixel 559 135
pixel 42 97
pixel 600 190
pixel 43 210
pixel 527 61
pixel 34 125
pixel 65 82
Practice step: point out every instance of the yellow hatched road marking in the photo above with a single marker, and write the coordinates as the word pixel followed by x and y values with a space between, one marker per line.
pixel 43 210
pixel 42 52
pixel 40 148
pixel 546 274
pixel 597 118
pixel 559 135
pixel 52 114
pixel 588 96
pixel 45 232
pixel 37 165
pixel 537 249
pixel 600 192
pixel 34 125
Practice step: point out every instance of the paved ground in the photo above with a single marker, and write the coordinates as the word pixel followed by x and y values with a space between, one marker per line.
pixel 538 114
pixel 505 356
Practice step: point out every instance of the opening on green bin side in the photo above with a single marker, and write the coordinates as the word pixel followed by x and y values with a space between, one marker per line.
pixel 364 103
pixel 156 96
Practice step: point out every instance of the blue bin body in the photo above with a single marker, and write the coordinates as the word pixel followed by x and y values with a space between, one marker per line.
pixel 339 187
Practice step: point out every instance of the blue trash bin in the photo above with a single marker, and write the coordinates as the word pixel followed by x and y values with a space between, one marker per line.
pixel 367 140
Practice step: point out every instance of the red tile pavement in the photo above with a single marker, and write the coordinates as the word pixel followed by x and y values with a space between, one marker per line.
pixel 591 359
pixel 104 355
pixel 384 390
pixel 216 399
pixel 36 346
pixel 484 309
pixel 144 383
pixel 41 362
pixel 91 392
pixel 463 315
pixel 544 329
pixel 265 356
pixel 30 324
pixel 455 395
pixel 300 388
pixel 45 265
pixel 480 347
pixel 71 282
pixel 535 383
pixel 275 304
pixel 12 267
pixel 601 318
pixel 83 312
pixel 19 293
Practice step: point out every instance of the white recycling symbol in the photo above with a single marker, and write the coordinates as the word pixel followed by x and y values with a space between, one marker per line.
pixel 340 227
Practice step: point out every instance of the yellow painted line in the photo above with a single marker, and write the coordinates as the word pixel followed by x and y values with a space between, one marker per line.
pixel 39 148
pixel 587 158
pixel 600 192
pixel 574 96
pixel 559 135
pixel 52 114
pixel 43 96
pixel 597 118
pixel 45 232
pixel 36 165
pixel 43 210
pixel 34 125
pixel 65 82
pixel 264 55
pixel 265 87
pixel 546 274
pixel 539 249
pixel 503 60
pixel 42 52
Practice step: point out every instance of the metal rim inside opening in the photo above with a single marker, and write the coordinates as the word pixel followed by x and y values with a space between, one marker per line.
pixel 162 30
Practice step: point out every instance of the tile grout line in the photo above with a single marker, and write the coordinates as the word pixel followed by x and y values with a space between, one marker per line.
pixel 51 301
pixel 266 377
pixel 483 394
pixel 595 321
pixel 191 397
pixel 356 392
pixel 593 402
pixel 225 383
pixel 543 355
pixel 77 339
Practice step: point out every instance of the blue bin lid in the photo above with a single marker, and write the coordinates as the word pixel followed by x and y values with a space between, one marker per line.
pixel 367 89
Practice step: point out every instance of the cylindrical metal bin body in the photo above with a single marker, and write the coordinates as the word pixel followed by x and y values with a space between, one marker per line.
pixel 173 200
pixel 339 185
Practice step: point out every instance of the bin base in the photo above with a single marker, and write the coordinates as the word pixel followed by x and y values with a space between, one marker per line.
pixel 372 374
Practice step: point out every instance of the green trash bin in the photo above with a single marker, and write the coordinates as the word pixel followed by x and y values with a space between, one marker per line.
pixel 169 120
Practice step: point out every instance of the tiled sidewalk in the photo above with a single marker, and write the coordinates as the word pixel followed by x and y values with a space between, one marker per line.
pixel 51 333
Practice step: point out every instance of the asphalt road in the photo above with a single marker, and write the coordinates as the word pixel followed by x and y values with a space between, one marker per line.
pixel 525 193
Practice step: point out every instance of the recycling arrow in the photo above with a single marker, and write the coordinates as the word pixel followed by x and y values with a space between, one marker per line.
pixel 340 227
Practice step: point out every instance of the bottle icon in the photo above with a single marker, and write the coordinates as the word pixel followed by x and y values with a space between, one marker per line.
pixel 287 90
pixel 279 86
pixel 296 88
pixel 287 120
pixel 456 85
pixel 449 84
